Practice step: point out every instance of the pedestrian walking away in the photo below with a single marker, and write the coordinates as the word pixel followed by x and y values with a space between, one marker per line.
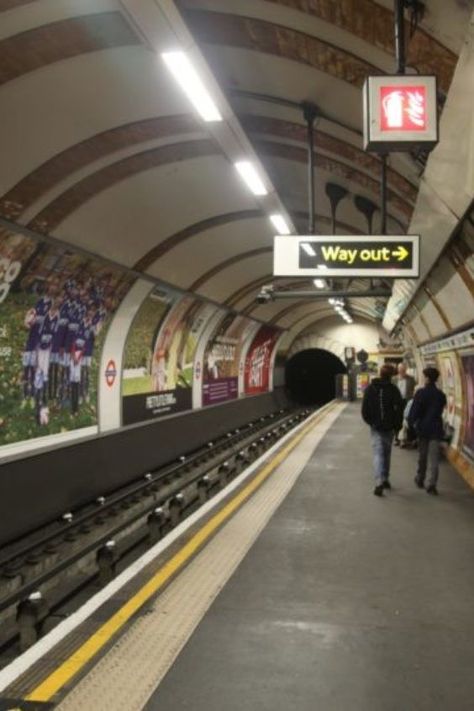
pixel 382 410
pixel 406 385
pixel 426 417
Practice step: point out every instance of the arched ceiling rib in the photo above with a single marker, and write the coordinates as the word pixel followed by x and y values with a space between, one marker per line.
pixel 61 40
pixel 10 4
pixel 195 286
pixel 49 218
pixel 192 231
pixel 251 287
pixel 51 173
pixel 374 24
pixel 286 316
pixel 335 168
pixel 291 131
pixel 134 173
pixel 364 19
pixel 218 28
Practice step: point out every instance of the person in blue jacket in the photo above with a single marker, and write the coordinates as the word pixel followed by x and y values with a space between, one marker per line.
pixel 426 417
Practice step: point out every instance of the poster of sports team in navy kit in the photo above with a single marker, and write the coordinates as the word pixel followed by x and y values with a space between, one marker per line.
pixel 54 307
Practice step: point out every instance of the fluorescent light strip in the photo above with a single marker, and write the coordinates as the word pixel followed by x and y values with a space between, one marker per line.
pixel 250 176
pixel 190 82
pixel 319 283
pixel 280 225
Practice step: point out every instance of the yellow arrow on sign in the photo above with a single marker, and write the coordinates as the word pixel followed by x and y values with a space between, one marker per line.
pixel 401 253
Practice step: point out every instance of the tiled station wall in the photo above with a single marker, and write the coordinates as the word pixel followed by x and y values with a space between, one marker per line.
pixel 439 330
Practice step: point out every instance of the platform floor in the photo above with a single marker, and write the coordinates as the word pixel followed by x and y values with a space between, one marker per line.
pixel 345 601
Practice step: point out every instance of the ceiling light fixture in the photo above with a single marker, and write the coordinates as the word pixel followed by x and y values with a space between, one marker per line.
pixel 250 176
pixel 319 283
pixel 190 82
pixel 280 225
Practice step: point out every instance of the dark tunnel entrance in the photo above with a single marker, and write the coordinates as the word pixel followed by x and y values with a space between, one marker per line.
pixel 311 376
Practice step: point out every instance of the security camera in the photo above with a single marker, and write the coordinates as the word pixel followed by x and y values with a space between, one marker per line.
pixel 266 294
pixel 263 297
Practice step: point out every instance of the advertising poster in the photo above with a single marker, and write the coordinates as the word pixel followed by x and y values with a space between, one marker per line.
pixel 222 358
pixel 258 361
pixel 142 375
pixel 468 373
pixel 55 305
pixel 362 381
pixel 448 384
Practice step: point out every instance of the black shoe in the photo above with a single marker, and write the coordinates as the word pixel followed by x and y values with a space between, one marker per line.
pixel 378 491
pixel 419 483
pixel 432 490
pixel 386 484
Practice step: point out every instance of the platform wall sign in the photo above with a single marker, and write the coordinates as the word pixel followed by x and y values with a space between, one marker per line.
pixel 351 256
pixel 400 113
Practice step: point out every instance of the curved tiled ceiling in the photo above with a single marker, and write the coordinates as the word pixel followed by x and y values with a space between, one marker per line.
pixel 101 149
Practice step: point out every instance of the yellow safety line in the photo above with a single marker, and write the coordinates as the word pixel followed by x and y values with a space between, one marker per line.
pixel 71 666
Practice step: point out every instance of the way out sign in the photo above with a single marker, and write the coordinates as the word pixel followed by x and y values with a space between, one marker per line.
pixel 400 113
pixel 350 256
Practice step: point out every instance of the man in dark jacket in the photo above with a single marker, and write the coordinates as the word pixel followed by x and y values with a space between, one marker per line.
pixel 382 409
pixel 426 418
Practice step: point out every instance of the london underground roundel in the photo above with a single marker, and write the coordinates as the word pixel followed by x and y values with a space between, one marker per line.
pixel 110 373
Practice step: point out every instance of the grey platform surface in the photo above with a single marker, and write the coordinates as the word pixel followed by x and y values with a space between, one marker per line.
pixel 346 601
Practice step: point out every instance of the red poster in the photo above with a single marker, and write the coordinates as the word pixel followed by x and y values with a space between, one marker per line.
pixel 257 363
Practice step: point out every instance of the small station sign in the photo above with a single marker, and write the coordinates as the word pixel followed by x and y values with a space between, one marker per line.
pixel 400 112
pixel 110 373
pixel 350 256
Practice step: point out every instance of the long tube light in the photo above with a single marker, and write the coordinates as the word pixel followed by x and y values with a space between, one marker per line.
pixel 319 283
pixel 280 225
pixel 249 175
pixel 189 80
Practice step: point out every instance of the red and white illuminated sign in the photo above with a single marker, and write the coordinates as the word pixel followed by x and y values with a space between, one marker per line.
pixel 400 112
pixel 403 109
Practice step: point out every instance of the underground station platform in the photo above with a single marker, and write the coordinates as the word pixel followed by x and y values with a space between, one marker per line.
pixel 296 589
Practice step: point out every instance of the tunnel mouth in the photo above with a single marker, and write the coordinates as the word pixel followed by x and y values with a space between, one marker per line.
pixel 310 376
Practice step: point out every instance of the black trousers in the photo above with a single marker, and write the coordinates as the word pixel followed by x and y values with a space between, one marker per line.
pixel 404 404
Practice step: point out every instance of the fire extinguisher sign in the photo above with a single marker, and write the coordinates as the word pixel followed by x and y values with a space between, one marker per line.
pixel 400 113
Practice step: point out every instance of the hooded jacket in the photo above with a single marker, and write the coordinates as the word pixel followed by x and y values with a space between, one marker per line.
pixel 382 406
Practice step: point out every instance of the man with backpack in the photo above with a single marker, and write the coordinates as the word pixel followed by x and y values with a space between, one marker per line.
pixel 382 409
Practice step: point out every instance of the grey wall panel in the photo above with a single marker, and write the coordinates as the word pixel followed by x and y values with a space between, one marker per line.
pixel 36 489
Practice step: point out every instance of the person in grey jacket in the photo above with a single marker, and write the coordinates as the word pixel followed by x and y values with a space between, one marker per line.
pixel 406 385
pixel 426 416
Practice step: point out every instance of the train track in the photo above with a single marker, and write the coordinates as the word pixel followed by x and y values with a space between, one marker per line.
pixel 46 575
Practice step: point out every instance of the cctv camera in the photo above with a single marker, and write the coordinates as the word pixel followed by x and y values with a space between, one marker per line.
pixel 266 294
pixel 263 297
